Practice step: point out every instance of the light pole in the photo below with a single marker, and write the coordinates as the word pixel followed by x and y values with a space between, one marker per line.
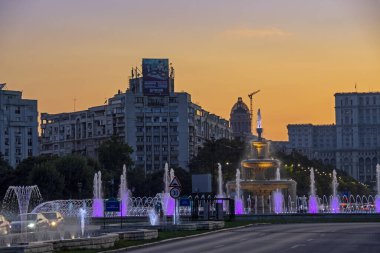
pixel 80 189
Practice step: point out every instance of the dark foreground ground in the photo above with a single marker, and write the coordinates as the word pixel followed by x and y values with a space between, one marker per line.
pixel 326 238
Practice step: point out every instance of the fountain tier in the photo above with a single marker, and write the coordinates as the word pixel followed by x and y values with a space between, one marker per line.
pixel 259 174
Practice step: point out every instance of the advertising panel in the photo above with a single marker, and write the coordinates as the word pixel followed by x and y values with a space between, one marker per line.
pixel 155 77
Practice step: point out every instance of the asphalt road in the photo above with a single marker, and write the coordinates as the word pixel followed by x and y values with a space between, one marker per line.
pixel 325 238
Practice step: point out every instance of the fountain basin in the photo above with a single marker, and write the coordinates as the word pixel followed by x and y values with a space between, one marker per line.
pixel 97 242
pixel 32 247
pixel 259 164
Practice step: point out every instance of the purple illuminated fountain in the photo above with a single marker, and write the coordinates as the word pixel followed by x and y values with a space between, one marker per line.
pixel 238 200
pixel 334 205
pixel 168 203
pixel 278 198
pixel 377 200
pixel 97 204
pixel 313 201
pixel 278 201
pixel 124 192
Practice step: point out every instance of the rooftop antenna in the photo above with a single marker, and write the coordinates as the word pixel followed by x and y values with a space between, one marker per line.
pixel 251 101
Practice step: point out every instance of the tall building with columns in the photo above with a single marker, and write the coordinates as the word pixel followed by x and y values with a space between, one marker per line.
pixel 352 144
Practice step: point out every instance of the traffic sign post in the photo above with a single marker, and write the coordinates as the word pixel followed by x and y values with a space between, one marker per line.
pixel 175 193
pixel 175 183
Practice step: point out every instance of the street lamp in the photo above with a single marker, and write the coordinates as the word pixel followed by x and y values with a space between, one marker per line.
pixel 80 189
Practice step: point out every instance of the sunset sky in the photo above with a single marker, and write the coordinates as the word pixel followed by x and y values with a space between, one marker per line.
pixel 299 53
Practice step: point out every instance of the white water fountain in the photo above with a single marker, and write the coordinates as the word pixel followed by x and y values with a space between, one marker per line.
pixel 313 200
pixel 17 199
pixel 153 217
pixel 82 215
pixel 124 192
pixel 278 175
pixel 278 198
pixel 98 205
pixel 334 206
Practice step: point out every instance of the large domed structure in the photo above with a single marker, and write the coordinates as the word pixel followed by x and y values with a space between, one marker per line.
pixel 240 119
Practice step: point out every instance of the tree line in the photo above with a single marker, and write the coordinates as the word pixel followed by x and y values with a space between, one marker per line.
pixel 71 176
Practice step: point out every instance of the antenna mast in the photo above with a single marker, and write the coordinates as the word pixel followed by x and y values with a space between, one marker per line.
pixel 251 106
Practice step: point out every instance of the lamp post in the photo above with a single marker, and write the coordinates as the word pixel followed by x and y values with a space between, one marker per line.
pixel 80 190
pixel 112 183
pixel 212 169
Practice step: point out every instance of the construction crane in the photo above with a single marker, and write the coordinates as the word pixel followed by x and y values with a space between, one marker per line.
pixel 251 101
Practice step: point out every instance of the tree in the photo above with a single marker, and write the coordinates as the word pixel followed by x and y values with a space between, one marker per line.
pixel 153 183
pixel 48 179
pixel 296 166
pixel 112 155
pixel 228 153
pixel 6 174
pixel 77 175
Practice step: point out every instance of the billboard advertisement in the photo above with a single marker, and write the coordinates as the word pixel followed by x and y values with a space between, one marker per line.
pixel 155 77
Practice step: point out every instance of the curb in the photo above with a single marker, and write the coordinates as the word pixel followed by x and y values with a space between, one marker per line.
pixel 146 245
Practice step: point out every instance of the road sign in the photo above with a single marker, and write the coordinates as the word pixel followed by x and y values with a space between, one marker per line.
pixel 175 183
pixel 175 193
pixel 112 205
pixel 184 202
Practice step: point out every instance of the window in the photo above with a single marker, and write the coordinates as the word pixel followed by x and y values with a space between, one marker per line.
pixel 139 100
pixel 30 142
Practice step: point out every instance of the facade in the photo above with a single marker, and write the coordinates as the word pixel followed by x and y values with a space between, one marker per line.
pixel 168 128
pixel 82 131
pixel 18 126
pixel 358 133
pixel 315 141
pixel 161 125
pixel 353 144
pixel 240 119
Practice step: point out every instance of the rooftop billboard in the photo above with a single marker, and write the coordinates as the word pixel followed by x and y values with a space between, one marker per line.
pixel 155 77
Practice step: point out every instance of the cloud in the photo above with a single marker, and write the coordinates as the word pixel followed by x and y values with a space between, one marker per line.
pixel 257 33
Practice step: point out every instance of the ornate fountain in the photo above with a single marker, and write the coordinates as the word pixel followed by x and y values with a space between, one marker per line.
pixel 259 179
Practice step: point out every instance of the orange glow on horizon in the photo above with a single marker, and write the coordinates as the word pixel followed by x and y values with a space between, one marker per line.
pixel 298 54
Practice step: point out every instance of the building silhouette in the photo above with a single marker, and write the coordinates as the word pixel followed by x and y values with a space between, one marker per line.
pixel 240 120
pixel 18 126
pixel 161 125
pixel 352 144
